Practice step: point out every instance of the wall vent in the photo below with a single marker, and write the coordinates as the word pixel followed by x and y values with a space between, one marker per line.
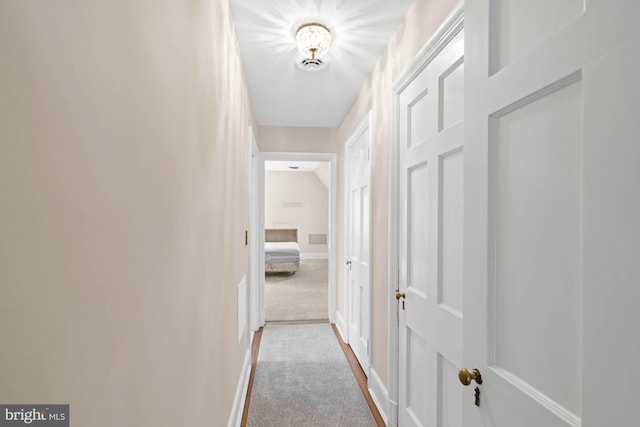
pixel 317 239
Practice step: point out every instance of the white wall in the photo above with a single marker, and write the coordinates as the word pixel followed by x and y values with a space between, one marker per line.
pixel 297 139
pixel 323 171
pixel 297 200
pixel 123 175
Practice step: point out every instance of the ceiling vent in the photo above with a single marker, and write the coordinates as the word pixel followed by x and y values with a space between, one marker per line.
pixel 313 64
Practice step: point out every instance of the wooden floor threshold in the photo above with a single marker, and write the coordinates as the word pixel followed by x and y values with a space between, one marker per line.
pixel 357 370
pixel 255 350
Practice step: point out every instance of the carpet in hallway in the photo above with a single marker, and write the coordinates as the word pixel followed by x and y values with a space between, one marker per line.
pixel 300 296
pixel 303 379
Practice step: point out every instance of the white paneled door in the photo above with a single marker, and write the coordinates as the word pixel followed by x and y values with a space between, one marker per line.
pixel 550 193
pixel 358 172
pixel 429 113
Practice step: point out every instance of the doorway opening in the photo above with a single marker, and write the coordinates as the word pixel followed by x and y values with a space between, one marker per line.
pixel 317 247
pixel 296 219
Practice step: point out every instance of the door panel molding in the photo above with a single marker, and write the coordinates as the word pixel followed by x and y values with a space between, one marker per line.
pixel 451 27
pixel 540 143
pixel 363 130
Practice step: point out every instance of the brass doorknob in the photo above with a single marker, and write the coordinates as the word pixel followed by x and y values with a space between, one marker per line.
pixel 400 295
pixel 466 377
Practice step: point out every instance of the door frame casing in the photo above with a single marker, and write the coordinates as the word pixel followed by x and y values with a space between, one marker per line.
pixel 259 204
pixel 450 27
pixel 256 255
pixel 365 126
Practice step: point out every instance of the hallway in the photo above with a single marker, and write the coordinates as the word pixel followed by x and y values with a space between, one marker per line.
pixel 495 198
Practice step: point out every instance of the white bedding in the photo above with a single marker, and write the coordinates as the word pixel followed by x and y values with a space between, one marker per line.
pixel 281 252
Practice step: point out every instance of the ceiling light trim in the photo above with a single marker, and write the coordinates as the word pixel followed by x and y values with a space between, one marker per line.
pixel 311 65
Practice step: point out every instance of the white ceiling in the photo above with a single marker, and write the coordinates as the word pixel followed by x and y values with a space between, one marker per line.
pixel 284 95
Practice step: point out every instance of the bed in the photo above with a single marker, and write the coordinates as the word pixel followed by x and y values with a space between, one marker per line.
pixel 282 253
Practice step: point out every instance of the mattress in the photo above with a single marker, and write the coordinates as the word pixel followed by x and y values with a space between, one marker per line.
pixel 281 252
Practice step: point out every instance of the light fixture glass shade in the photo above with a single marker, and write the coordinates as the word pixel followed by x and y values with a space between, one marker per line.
pixel 313 40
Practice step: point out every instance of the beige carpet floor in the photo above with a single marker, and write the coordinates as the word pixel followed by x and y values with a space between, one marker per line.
pixel 302 296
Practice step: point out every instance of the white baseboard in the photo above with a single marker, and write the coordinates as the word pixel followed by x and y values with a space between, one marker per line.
pixel 241 392
pixel 380 396
pixel 341 326
pixel 314 255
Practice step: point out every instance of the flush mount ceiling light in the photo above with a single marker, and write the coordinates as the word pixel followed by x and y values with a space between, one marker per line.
pixel 313 43
pixel 313 40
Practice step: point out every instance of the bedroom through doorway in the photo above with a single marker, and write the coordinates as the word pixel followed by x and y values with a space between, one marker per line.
pixel 296 222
